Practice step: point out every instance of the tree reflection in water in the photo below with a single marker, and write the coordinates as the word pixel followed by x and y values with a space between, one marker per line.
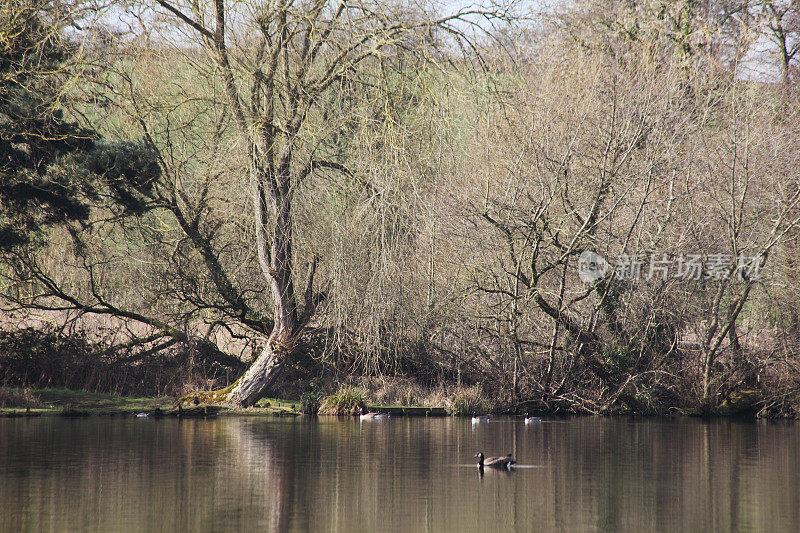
pixel 398 475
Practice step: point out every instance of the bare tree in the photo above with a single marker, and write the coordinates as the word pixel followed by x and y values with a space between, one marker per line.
pixel 285 59
pixel 783 27
pixel 597 170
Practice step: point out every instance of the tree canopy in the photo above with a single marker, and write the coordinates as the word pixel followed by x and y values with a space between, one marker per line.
pixel 38 186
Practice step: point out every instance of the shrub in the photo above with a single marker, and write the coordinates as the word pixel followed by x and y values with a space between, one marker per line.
pixel 398 391
pixel 47 358
pixel 17 398
pixel 466 401
pixel 309 403
pixel 346 401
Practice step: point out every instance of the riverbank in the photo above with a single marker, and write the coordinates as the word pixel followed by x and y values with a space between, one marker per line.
pixel 45 360
pixel 65 402
pixel 18 402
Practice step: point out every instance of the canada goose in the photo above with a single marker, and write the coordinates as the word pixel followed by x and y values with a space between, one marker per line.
pixel 476 419
pixel 495 462
pixel 532 420
pixel 372 415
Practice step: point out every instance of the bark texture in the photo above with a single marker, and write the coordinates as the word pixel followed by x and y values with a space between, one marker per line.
pixel 261 375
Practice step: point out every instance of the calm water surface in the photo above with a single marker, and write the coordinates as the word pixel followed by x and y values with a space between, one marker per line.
pixel 402 474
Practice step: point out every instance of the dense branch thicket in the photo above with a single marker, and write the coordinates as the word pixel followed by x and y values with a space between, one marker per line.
pixel 352 188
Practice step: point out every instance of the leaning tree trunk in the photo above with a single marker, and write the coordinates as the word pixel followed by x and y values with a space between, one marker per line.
pixel 267 368
pixel 262 374
pixel 276 263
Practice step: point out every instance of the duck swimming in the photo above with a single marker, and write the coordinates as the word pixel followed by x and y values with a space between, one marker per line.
pixel 477 419
pixel 532 420
pixel 495 462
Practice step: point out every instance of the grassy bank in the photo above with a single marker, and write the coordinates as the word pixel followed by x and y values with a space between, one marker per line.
pixel 65 402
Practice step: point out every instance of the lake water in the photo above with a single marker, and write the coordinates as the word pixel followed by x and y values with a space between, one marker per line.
pixel 401 474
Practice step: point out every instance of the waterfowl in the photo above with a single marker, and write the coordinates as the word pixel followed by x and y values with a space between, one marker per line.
pixel 495 462
pixel 532 420
pixel 476 419
pixel 373 415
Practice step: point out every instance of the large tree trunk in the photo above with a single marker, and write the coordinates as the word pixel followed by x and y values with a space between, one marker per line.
pixel 262 374
pixel 276 264
pixel 266 369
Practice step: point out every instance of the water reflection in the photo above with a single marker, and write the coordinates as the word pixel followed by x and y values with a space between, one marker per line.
pixel 400 474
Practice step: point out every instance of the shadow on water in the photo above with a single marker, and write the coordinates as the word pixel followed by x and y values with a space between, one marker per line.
pixel 401 474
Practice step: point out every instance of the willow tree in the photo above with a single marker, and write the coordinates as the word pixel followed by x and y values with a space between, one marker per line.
pixel 277 62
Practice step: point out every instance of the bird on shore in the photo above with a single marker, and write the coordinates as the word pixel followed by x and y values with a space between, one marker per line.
pixel 495 462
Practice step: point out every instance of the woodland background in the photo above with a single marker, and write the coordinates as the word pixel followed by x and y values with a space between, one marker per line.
pixel 444 182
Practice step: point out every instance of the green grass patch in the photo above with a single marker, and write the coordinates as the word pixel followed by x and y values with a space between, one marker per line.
pixel 57 400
